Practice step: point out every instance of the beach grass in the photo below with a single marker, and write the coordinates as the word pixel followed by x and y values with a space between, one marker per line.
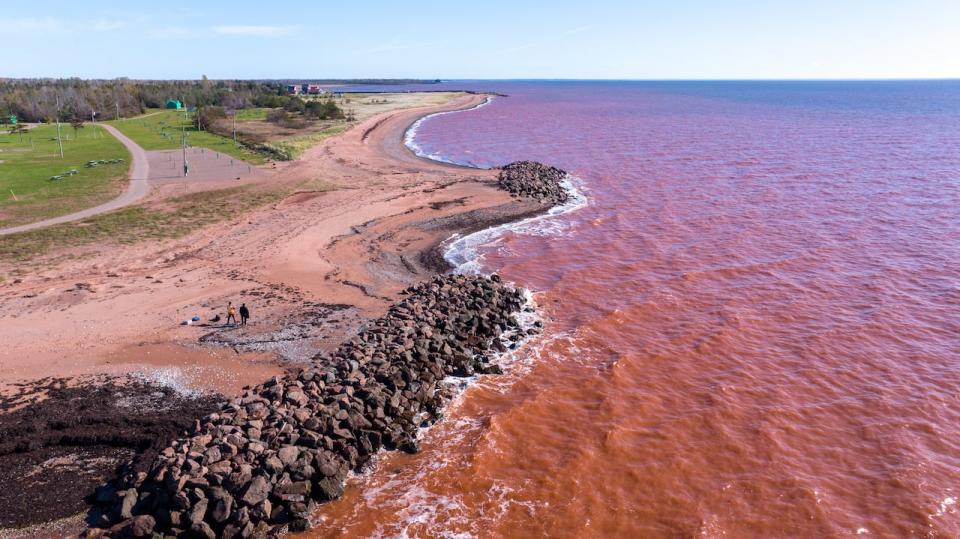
pixel 162 129
pixel 295 146
pixel 168 219
pixel 175 218
pixel 28 162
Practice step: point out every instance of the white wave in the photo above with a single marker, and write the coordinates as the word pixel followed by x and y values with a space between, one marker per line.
pixel 462 252
pixel 171 377
pixel 409 138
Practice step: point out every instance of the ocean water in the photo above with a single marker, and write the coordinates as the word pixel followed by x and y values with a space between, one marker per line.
pixel 753 323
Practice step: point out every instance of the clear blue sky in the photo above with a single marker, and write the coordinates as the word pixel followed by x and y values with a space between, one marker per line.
pixel 620 39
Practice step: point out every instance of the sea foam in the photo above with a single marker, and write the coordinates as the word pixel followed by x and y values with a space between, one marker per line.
pixel 463 252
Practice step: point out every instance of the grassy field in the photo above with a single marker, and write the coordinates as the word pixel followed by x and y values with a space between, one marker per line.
pixel 175 218
pixel 296 145
pixel 250 114
pixel 293 142
pixel 27 193
pixel 169 218
pixel 161 130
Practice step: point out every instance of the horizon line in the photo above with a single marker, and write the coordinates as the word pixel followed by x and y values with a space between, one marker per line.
pixel 415 80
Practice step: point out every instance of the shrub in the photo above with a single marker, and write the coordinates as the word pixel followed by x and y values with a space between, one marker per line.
pixel 277 116
pixel 323 110
pixel 208 116
pixel 294 105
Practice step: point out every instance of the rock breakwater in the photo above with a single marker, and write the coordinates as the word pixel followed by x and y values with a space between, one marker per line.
pixel 260 464
pixel 534 180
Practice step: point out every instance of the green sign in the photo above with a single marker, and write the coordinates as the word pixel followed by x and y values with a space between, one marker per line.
pixel 13 119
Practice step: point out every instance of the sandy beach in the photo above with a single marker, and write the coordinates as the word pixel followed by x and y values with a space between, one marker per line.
pixel 365 219
pixel 311 267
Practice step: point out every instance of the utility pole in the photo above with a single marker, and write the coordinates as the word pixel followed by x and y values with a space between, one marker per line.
pixel 59 140
pixel 118 111
pixel 183 138
pixel 183 144
pixel 93 121
pixel 234 126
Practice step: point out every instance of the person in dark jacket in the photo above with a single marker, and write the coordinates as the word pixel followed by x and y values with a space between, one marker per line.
pixel 244 314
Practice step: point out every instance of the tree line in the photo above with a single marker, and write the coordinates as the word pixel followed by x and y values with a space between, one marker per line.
pixel 41 100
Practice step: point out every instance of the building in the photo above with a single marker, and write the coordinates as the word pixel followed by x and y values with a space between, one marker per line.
pixel 305 89
pixel 174 104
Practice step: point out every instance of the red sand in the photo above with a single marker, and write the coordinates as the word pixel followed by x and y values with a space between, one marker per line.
pixel 357 245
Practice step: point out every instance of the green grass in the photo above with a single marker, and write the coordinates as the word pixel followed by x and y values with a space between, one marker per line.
pixel 251 114
pixel 26 167
pixel 176 218
pixel 161 130
pixel 297 145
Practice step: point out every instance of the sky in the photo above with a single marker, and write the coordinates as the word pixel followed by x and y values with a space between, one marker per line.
pixel 489 39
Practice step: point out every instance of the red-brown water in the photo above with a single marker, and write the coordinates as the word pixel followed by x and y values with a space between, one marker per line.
pixel 753 327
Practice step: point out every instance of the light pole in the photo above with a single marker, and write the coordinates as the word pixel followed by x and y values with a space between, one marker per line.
pixel 183 144
pixel 59 140
pixel 183 140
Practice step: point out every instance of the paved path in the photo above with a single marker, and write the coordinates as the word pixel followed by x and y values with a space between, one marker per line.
pixel 138 188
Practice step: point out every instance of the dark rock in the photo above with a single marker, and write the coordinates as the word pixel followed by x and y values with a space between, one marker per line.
pixel 534 180
pixel 197 512
pixel 258 491
pixel 202 530
pixel 265 457
pixel 330 487
pixel 127 503
pixel 139 526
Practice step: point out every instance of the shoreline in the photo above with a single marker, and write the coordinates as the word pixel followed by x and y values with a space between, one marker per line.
pixel 411 133
pixel 442 200
pixel 356 245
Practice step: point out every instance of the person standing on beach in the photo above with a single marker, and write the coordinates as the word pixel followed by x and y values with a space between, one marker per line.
pixel 244 314
pixel 231 313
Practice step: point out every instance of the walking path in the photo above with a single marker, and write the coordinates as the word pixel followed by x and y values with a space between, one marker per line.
pixel 138 188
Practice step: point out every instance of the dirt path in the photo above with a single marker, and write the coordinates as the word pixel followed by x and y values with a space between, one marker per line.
pixel 136 190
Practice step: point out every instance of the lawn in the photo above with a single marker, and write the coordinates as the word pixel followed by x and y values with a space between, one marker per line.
pixel 161 130
pixel 27 193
